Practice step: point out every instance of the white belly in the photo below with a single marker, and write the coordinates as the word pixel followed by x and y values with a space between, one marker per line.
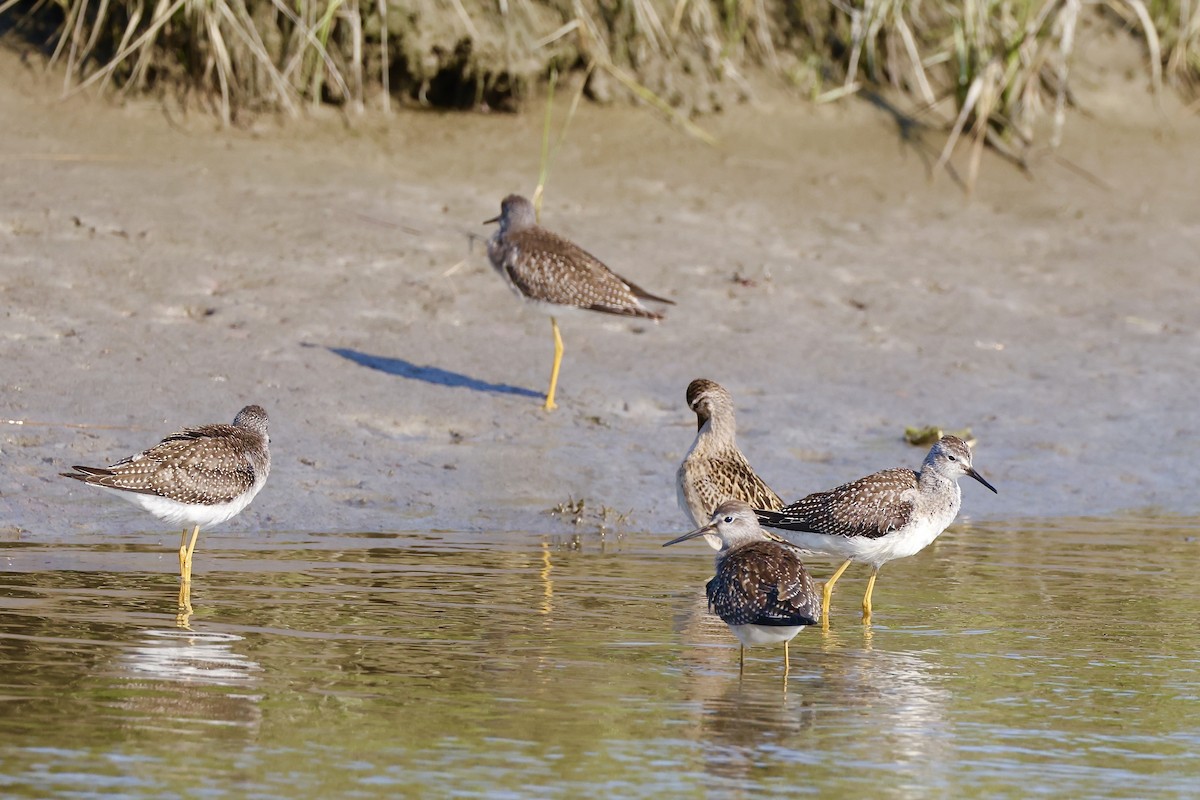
pixel 176 513
pixel 750 635
pixel 907 541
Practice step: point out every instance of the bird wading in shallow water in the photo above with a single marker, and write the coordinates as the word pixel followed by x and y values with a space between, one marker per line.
pixel 196 477
pixel 553 272
pixel 761 589
pixel 715 470
pixel 888 515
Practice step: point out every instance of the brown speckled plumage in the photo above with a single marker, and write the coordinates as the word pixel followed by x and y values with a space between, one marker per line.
pixel 761 589
pixel 197 477
pixel 872 506
pixel 715 470
pixel 891 514
pixel 545 267
pixel 884 502
pixel 205 466
pixel 764 583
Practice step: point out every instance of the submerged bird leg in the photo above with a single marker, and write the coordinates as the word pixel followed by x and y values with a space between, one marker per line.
pixel 558 353
pixel 187 569
pixel 867 596
pixel 184 616
pixel 827 592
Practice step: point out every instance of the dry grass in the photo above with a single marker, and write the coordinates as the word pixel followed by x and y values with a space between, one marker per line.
pixel 988 70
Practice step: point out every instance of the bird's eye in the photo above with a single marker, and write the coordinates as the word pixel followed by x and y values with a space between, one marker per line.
pixel 729 519
pixel 952 458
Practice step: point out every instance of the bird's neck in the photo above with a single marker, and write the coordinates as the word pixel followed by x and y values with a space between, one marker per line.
pixel 940 492
pixel 931 479
pixel 719 430
pixel 733 541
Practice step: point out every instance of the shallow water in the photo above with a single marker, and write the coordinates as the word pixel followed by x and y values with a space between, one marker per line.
pixel 1022 659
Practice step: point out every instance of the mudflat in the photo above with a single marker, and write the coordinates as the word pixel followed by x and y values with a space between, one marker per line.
pixel 156 272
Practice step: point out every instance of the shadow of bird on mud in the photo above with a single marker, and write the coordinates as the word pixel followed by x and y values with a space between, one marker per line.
pixel 435 375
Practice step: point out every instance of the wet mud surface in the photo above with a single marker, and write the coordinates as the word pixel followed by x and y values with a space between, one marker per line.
pixel 155 273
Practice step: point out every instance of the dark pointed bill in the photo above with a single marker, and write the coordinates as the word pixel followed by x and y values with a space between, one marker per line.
pixel 980 478
pixel 707 529
pixel 493 219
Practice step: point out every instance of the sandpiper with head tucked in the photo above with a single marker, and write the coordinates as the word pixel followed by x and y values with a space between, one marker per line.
pixel 553 273
pixel 761 589
pixel 888 515
pixel 715 470
pixel 197 477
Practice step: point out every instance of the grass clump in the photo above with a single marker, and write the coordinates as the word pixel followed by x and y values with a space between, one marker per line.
pixel 987 70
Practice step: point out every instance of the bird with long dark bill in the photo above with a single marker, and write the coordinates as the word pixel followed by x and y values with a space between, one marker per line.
pixel 888 515
pixel 761 588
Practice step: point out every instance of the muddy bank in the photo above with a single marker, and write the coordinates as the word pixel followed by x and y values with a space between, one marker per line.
pixel 155 273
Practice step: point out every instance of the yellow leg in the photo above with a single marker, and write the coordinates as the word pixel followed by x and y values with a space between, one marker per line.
pixel 787 663
pixel 186 555
pixel 558 353
pixel 827 592
pixel 183 554
pixel 867 596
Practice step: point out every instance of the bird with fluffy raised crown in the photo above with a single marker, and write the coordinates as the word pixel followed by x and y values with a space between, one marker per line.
pixel 761 588
pixel 714 469
pixel 198 477
pixel 888 515
pixel 554 273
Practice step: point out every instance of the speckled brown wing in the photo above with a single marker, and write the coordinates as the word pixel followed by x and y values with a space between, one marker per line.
pixel 764 583
pixel 871 507
pixel 206 465
pixel 547 267
pixel 729 477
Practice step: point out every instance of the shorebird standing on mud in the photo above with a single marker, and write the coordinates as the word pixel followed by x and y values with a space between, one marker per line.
pixel 888 515
pixel 715 470
pixel 761 589
pixel 554 273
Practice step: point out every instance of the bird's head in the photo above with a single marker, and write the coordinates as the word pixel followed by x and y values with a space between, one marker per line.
pixel 733 523
pixel 516 213
pixel 708 398
pixel 951 457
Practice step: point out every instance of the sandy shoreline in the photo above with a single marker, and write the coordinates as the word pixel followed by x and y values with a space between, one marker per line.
pixel 155 276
